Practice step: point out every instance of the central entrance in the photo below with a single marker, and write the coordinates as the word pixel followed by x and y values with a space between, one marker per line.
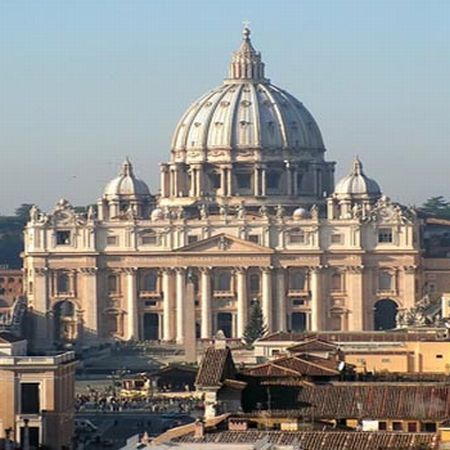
pixel 225 323
pixel 151 327
pixel 298 321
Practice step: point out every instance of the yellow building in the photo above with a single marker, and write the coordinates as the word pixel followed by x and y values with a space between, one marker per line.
pixel 424 351
pixel 36 396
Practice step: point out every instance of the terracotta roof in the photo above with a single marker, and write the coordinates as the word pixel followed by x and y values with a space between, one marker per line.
pixel 313 345
pixel 184 430
pixel 321 440
pixel 419 401
pixel 346 336
pixel 298 365
pixel 216 366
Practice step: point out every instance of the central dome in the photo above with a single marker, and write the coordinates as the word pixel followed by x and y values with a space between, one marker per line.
pixel 246 142
pixel 247 111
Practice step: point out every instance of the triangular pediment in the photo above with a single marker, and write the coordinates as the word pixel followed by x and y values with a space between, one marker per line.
pixel 225 243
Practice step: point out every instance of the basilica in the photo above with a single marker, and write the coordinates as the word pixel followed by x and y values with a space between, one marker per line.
pixel 248 211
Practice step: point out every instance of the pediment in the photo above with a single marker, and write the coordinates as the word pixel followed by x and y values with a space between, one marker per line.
pixel 225 243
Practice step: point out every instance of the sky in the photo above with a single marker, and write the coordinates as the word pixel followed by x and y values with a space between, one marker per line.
pixel 85 83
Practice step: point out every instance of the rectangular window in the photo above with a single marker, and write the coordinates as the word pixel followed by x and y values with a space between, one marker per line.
pixel 439 356
pixel 382 426
pixel 244 180
pixel 63 237
pixel 113 284
pixel 29 398
pixel 298 302
pixel 253 238
pixel 385 235
pixel 215 180
pixel 150 303
pixel 192 238
pixel 297 237
pixel 336 282
pixel 337 238
pixel 149 239
pixel 412 427
pixel 62 283
pixel 397 426
pixel 112 240
pixel 385 281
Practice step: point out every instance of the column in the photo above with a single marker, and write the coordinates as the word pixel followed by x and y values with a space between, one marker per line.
pixel 355 288
pixel 263 181
pixel 167 289
pixel 281 300
pixel 191 173
pixel 223 180
pixel 316 299
pixel 179 296
pixel 206 324
pixel 163 169
pixel 229 182
pixel 289 178
pixel 199 181
pixel 409 286
pixel 90 305
pixel 132 310
pixel 267 296
pixel 241 282
pixel 256 181
pixel 42 314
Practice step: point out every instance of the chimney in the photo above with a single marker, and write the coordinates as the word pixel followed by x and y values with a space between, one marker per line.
pixel 199 430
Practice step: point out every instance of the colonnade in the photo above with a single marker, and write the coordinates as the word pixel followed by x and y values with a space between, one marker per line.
pixel 179 179
pixel 273 297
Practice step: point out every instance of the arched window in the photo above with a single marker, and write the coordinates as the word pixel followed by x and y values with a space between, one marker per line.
pixel 150 281
pixel 222 281
pixel 254 282
pixel 385 281
pixel 297 280
pixel 62 283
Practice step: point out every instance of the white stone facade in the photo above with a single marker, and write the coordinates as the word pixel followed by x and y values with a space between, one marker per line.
pixel 244 218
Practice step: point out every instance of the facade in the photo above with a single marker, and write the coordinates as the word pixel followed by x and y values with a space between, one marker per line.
pixel 10 286
pixel 248 211
pixel 36 396
pixel 414 352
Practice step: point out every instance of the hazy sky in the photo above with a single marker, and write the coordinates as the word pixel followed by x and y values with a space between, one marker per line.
pixel 85 83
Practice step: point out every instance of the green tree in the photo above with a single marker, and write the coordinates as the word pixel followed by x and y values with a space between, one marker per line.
pixel 256 326
pixel 11 236
pixel 436 207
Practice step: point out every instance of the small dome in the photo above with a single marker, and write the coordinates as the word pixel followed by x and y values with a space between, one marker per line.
pixel 157 214
pixel 300 213
pixel 126 184
pixel 356 183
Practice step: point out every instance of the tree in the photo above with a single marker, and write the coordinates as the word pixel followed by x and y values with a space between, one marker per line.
pixel 11 236
pixel 256 326
pixel 436 207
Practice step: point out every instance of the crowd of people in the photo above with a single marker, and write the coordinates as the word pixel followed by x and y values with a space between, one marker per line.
pixel 109 400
